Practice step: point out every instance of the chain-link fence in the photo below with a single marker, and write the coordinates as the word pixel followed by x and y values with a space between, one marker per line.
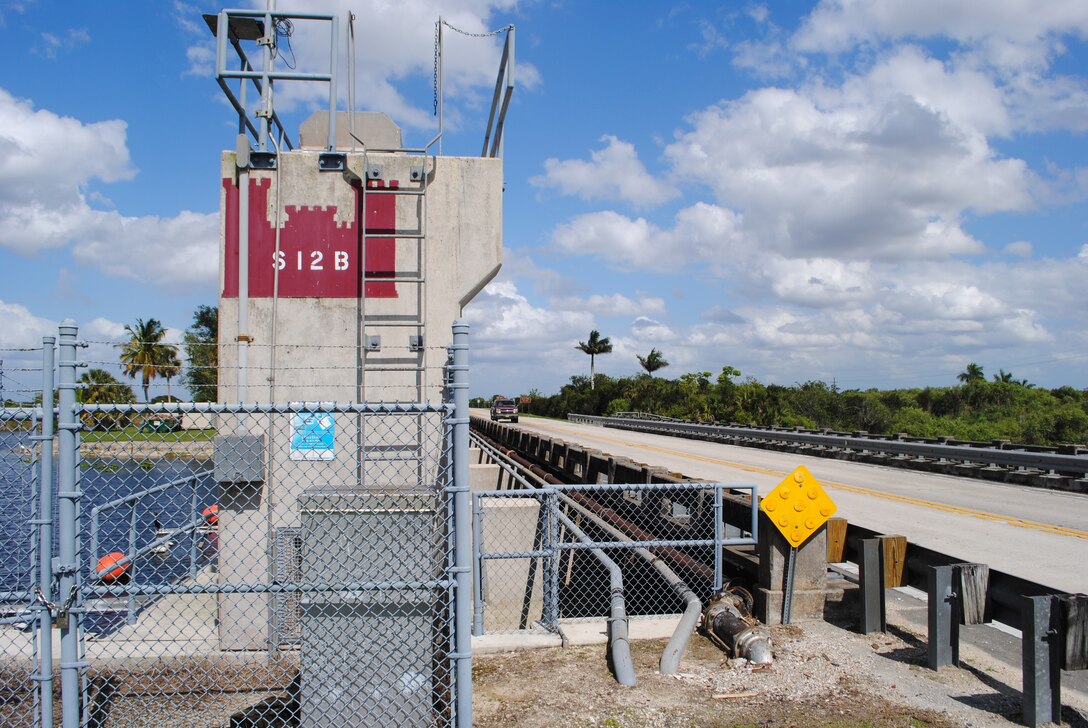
pixel 532 570
pixel 226 565
pixel 20 502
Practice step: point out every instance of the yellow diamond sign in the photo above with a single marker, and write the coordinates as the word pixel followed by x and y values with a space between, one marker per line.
pixel 798 506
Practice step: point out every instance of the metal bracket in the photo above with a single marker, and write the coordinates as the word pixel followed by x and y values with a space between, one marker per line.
pixel 332 162
pixel 373 342
pixel 416 173
pixel 415 343
pixel 262 160
pixel 373 171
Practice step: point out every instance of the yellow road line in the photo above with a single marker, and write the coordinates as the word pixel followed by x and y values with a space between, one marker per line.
pixel 994 517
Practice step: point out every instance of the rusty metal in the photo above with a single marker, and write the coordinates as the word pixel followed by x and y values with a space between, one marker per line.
pixel 729 624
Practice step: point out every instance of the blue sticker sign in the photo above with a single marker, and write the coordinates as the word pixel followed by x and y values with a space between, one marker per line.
pixel 313 435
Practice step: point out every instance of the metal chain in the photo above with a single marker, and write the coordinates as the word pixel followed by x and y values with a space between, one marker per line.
pixel 40 598
pixel 476 35
pixel 455 29
pixel 436 33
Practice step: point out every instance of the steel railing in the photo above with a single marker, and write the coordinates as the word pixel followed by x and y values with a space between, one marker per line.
pixel 1074 465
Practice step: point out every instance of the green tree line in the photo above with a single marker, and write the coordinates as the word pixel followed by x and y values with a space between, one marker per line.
pixel 1002 408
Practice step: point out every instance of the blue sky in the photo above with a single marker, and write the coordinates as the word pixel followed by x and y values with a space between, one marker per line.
pixel 870 192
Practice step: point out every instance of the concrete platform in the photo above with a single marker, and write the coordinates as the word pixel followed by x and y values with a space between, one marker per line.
pixel 577 632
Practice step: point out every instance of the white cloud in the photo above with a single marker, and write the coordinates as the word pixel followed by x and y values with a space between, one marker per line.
pixel 46 162
pixel 1020 248
pixel 1013 43
pixel 201 61
pixel 19 328
pixel 507 327
pixel 864 170
pixel 612 173
pixel 169 252
pixel 1013 32
pixel 648 330
pixel 50 44
pixel 46 159
pixel 702 232
pixel 613 305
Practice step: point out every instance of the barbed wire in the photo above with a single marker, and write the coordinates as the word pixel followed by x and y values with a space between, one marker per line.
pixel 278 344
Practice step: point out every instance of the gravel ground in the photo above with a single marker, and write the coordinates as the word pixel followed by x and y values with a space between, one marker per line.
pixel 822 676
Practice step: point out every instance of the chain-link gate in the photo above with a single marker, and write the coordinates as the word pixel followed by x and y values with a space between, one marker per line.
pixel 20 502
pixel 227 565
pixel 532 565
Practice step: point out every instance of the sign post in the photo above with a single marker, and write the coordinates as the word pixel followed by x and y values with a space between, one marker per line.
pixel 797 507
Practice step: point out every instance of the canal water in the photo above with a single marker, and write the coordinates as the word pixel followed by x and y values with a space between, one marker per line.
pixel 103 481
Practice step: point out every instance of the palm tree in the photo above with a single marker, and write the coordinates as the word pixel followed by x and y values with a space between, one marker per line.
pixel 596 345
pixel 97 386
pixel 144 353
pixel 973 373
pixel 170 369
pixel 652 361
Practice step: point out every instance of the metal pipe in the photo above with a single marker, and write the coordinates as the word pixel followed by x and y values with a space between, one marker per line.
pixel 619 643
pixel 477 567
pixel 267 51
pixel 68 497
pixel 45 536
pixel 332 82
pixel 730 625
pixel 462 515
pixel 678 643
pixel 693 608
pixel 243 278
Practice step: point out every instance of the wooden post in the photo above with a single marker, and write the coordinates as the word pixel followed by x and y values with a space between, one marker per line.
pixel 895 560
pixel 973 582
pixel 1074 620
pixel 836 540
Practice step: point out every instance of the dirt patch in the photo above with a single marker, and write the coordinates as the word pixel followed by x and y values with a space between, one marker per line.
pixel 822 676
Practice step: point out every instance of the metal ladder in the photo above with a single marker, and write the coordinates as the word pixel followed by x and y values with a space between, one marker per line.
pixel 408 373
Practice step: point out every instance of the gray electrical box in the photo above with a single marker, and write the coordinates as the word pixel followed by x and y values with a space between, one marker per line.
pixel 372 657
pixel 239 458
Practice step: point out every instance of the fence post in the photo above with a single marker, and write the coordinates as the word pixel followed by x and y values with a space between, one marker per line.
pixel 67 499
pixel 944 619
pixel 1041 660
pixel 45 536
pixel 462 525
pixel 717 585
pixel 871 581
pixel 551 502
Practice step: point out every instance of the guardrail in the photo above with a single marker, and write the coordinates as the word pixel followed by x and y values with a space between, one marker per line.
pixel 908 453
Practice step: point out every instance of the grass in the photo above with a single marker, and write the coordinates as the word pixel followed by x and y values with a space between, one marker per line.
pixel 128 434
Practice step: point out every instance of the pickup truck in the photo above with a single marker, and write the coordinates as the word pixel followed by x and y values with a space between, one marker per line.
pixel 504 409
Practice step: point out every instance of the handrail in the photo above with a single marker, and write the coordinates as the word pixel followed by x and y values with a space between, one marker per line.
pixel 1074 464
pixel 506 68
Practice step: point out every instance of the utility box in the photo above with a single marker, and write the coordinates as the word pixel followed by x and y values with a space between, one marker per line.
pixel 374 651
pixel 239 459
